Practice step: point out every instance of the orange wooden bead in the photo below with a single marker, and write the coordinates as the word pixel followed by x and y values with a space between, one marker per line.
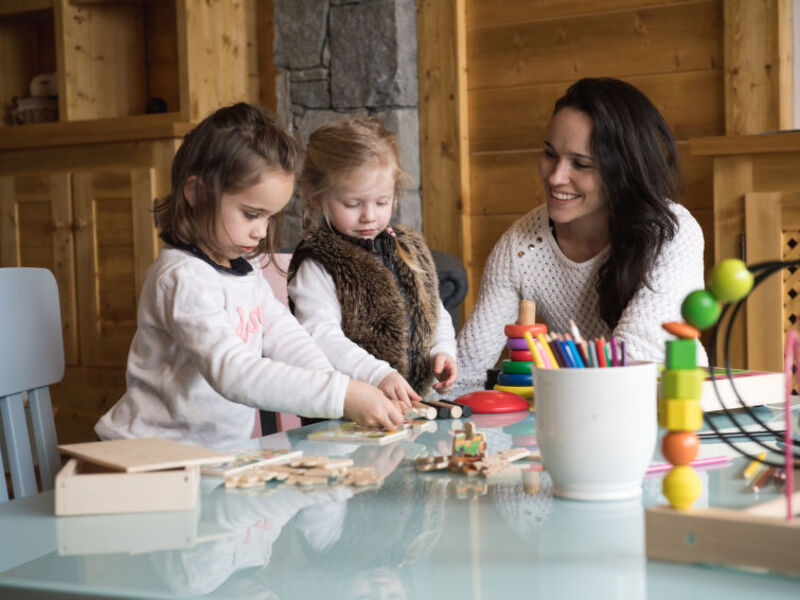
pixel 680 447
pixel 681 329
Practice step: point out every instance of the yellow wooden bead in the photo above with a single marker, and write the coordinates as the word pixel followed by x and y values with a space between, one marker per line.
pixel 682 383
pixel 682 487
pixel 677 414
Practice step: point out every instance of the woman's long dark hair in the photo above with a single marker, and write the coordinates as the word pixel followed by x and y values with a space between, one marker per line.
pixel 638 163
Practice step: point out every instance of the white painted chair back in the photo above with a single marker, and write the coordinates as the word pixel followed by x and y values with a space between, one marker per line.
pixel 31 359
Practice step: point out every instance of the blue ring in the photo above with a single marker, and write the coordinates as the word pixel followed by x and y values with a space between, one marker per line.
pixel 516 379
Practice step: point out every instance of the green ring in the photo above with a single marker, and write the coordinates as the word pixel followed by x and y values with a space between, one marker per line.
pixel 516 366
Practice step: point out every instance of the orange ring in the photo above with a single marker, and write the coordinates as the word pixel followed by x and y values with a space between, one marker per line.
pixel 518 331
pixel 681 329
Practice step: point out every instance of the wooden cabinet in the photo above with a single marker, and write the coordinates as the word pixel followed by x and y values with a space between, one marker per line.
pixel 85 212
pixel 76 195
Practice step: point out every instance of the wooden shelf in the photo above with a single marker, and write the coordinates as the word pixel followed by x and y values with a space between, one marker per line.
pixel 763 143
pixel 137 127
pixel 14 7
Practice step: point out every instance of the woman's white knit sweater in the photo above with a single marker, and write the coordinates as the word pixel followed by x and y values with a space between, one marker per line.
pixel 527 263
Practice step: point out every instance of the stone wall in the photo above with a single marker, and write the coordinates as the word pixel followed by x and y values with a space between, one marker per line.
pixel 342 57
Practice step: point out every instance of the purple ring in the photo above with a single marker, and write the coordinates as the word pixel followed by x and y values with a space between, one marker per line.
pixel 517 343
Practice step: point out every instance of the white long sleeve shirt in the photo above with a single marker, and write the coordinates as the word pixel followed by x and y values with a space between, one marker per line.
pixel 317 308
pixel 527 263
pixel 209 347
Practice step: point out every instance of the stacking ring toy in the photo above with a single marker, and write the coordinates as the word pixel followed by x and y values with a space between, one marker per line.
pixel 513 330
pixel 520 379
pixel 517 343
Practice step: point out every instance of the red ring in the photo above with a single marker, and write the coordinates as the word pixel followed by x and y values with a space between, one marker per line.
pixel 518 331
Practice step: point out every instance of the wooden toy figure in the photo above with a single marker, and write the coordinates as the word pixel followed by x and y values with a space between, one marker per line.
pixel 468 443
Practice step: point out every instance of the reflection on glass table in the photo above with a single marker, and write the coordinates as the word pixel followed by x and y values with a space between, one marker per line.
pixel 420 535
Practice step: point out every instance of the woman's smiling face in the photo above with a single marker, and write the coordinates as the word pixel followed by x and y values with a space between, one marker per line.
pixel 570 174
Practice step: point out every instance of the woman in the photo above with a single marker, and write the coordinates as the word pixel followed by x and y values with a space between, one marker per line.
pixel 609 249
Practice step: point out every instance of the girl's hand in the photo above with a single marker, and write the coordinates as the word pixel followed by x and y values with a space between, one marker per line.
pixel 445 370
pixel 397 388
pixel 366 405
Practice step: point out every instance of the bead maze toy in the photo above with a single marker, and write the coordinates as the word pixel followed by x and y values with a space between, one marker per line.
pixel 752 537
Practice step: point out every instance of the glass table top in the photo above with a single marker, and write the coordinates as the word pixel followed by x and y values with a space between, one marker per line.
pixel 419 535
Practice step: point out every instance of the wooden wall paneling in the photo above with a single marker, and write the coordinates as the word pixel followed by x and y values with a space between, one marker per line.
pixel 733 178
pixel 444 143
pixel 663 39
pixel 485 233
pixel 515 118
pixel 489 13
pixel 105 271
pixel 758 77
pixel 82 396
pixel 505 182
pixel 103 73
pixel 63 252
pixel 764 242
pixel 777 171
pixel 145 235
pixel 37 212
pixel 698 179
pixel 218 55
pixel 9 249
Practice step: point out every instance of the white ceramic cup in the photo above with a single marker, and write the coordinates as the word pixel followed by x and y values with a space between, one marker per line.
pixel 596 429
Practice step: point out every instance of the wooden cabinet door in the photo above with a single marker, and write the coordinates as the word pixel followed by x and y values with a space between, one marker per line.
pixel 772 227
pixel 115 242
pixel 36 231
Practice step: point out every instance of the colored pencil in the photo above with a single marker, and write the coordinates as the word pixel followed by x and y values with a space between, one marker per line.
pixel 601 352
pixel 575 354
pixel 548 350
pixel 700 462
pixel 537 359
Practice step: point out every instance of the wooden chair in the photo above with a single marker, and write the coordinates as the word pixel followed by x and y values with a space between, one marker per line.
pixel 31 359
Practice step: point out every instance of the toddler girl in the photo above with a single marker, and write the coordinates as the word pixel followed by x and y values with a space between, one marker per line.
pixel 366 292
pixel 212 342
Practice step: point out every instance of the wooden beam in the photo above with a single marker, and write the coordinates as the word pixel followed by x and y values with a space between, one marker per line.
pixel 758 67
pixel 444 145
pixel 764 229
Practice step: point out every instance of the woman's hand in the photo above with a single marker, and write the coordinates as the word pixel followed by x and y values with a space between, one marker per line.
pixel 445 370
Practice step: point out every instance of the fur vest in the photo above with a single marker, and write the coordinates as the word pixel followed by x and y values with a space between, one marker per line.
pixel 381 306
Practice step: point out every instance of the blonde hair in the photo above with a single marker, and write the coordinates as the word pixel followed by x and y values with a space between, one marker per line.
pixel 335 151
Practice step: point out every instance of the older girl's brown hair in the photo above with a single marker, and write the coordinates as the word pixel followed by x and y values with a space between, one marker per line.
pixel 229 151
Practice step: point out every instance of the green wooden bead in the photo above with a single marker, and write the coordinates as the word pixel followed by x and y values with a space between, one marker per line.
pixel 682 354
pixel 731 280
pixel 701 309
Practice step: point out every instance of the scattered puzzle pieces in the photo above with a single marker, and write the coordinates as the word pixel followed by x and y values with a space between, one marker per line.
pixel 307 472
pixel 469 457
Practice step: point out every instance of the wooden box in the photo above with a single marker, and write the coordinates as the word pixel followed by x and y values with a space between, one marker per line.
pixel 127 476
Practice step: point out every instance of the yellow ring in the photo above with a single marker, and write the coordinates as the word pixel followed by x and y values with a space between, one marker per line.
pixel 526 391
